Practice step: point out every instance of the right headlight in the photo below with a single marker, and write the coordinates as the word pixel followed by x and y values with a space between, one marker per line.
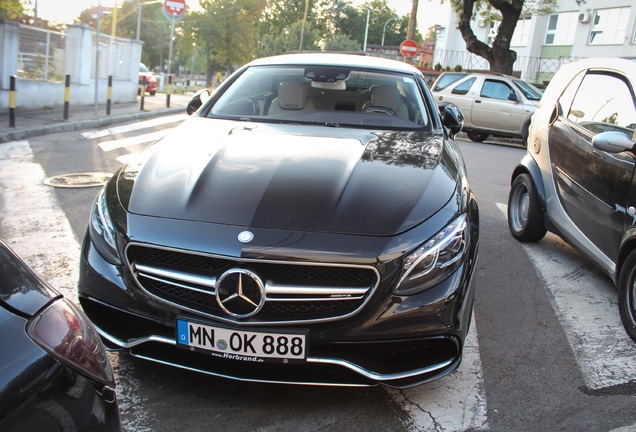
pixel 102 229
pixel 65 332
pixel 436 259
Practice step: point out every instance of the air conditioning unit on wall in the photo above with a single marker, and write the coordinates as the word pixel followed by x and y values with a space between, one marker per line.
pixel 584 17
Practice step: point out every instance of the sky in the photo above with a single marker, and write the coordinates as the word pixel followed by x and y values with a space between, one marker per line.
pixel 430 12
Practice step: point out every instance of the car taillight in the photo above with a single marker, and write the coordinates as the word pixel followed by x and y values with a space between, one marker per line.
pixel 65 332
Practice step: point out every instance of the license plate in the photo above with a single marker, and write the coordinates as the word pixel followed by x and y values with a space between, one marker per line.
pixel 241 345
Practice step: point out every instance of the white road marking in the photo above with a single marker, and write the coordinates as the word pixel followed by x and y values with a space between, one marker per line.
pixel 134 126
pixel 456 402
pixel 43 237
pixel 586 303
pixel 131 141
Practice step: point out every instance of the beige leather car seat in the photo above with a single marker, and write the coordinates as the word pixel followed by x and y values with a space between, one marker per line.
pixel 292 95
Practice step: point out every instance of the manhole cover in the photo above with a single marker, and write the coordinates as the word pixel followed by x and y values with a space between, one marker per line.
pixel 78 180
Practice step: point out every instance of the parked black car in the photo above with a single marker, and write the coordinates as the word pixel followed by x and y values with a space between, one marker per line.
pixel 54 372
pixel 577 178
pixel 312 223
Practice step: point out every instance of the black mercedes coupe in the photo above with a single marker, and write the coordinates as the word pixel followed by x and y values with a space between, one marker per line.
pixel 311 223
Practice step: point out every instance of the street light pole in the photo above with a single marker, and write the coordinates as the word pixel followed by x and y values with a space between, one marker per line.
pixel 139 19
pixel 99 23
pixel 384 31
pixel 302 29
pixel 366 32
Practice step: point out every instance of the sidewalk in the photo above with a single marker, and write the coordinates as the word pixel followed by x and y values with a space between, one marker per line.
pixel 31 123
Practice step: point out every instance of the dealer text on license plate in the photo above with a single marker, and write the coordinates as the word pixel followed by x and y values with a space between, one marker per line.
pixel 242 345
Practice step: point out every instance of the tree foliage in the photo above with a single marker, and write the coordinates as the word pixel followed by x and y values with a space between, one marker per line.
pixel 221 35
pixel 500 57
pixel 11 9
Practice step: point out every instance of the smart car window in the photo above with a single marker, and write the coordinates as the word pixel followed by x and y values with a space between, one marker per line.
pixel 493 89
pixel 463 87
pixel 604 102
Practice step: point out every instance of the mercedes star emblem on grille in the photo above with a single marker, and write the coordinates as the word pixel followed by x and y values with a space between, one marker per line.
pixel 245 236
pixel 240 293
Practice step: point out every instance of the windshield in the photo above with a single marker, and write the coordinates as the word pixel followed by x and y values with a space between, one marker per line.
pixel 529 91
pixel 329 95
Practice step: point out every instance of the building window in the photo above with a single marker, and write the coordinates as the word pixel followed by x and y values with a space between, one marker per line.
pixel 493 30
pixel 609 26
pixel 561 29
pixel 522 33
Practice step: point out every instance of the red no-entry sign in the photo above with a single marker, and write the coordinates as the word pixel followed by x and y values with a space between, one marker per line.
pixel 409 48
pixel 174 8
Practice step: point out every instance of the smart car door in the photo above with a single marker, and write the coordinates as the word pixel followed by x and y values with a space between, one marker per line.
pixel 593 185
pixel 497 107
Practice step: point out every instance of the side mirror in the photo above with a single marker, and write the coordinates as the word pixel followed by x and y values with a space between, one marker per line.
pixel 197 100
pixel 512 97
pixel 452 118
pixel 613 142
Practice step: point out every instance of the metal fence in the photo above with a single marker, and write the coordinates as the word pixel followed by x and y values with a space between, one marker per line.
pixel 536 69
pixel 41 54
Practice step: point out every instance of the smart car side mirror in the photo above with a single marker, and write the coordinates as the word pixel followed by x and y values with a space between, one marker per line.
pixel 452 118
pixel 613 142
pixel 197 100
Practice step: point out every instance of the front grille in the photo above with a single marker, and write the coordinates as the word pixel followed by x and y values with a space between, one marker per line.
pixel 293 292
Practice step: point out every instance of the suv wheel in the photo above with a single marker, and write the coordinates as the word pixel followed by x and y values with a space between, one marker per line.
pixel 477 136
pixel 525 218
pixel 627 295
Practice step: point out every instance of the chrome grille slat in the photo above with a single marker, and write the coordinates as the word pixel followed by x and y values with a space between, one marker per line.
pixel 295 292
pixel 166 276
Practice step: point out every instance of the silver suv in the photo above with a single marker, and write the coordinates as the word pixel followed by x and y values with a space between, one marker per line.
pixel 492 104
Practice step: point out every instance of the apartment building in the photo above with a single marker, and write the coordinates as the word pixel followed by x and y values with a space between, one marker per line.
pixel 596 28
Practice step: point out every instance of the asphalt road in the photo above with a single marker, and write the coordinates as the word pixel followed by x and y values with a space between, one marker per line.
pixel 547 352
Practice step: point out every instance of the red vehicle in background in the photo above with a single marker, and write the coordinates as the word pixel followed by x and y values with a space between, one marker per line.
pixel 150 80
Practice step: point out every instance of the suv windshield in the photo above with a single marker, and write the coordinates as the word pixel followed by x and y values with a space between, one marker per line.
pixel 329 95
pixel 529 91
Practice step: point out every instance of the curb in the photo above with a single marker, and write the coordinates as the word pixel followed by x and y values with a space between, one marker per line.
pixel 21 134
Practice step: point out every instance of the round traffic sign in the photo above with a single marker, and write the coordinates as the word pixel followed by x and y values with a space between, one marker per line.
pixel 409 48
pixel 174 8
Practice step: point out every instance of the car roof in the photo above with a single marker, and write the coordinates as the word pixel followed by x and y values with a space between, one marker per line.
pixel 565 74
pixel 482 73
pixel 328 59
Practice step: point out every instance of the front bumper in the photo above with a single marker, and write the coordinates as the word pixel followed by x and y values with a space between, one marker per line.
pixel 398 341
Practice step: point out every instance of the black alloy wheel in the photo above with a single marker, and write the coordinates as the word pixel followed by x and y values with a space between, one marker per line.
pixel 477 136
pixel 627 295
pixel 525 218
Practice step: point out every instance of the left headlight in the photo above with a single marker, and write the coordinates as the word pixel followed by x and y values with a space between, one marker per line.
pixel 436 259
pixel 102 229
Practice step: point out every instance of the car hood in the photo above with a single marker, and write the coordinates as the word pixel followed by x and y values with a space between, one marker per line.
pixel 291 177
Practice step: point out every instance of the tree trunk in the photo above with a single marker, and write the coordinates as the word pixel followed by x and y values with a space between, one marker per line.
pixel 500 57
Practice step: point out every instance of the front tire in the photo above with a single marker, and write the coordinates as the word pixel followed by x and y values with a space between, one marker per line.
pixel 525 218
pixel 477 136
pixel 627 295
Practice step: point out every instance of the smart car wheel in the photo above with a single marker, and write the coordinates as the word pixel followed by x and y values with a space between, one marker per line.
pixel 627 295
pixel 525 218
pixel 477 136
